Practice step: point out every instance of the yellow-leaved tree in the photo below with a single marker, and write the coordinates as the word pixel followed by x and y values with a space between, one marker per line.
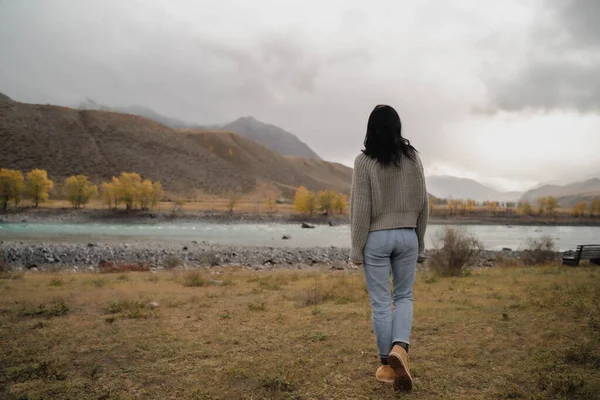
pixel 300 199
pixel 38 186
pixel 11 187
pixel 145 194
pixel 326 200
pixel 524 208
pixel 79 190
pixel 579 209
pixel 341 203
pixel 130 189
pixel 595 207
pixel 129 184
pixel 110 193
pixel 551 204
pixel 541 205
pixel 470 205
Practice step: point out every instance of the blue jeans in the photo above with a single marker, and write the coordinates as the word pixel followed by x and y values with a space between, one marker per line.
pixel 395 250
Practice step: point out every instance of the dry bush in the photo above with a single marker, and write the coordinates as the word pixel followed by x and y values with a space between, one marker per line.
pixel 171 262
pixel 455 252
pixel 539 251
pixel 194 279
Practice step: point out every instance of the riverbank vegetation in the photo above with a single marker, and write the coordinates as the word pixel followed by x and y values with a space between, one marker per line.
pixel 225 333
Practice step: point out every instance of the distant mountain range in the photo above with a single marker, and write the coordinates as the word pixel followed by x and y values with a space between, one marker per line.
pixel 270 136
pixel 462 188
pixel 567 195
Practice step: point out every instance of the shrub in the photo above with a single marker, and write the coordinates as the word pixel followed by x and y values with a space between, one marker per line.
pixel 539 251
pixel 171 262
pixel 194 279
pixel 455 252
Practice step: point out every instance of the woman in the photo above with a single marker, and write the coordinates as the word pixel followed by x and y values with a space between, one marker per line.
pixel 389 212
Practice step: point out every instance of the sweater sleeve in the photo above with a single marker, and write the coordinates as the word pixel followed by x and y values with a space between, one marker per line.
pixel 424 214
pixel 360 209
pixel 422 224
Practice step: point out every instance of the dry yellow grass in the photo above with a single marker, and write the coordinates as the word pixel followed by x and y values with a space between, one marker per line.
pixel 505 333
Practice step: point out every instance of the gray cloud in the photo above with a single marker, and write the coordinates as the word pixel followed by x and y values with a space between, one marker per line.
pixel 316 68
pixel 558 69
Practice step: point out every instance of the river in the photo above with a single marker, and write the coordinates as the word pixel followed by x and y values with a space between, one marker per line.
pixel 494 237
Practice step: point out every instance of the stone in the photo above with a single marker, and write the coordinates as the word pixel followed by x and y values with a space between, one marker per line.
pixel 506 249
pixel 216 283
pixel 330 223
pixel 185 248
pixel 34 269
pixel 90 245
pixel 153 305
pixel 307 226
pixel 194 242
pixel 286 237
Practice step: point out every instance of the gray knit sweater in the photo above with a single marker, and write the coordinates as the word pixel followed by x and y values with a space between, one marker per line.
pixel 386 198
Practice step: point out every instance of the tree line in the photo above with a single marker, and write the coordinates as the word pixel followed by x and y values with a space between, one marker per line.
pixel 128 189
pixel 326 201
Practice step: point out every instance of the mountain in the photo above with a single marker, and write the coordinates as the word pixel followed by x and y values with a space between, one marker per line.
pixel 265 164
pixel 102 144
pixel 271 136
pixel 463 188
pixel 141 111
pixel 567 195
pixel 4 97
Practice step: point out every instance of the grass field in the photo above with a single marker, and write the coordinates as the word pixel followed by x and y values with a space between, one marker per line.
pixel 531 333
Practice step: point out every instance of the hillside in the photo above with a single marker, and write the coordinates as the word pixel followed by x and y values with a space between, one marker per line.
pixel 588 186
pixel 463 188
pixel 271 136
pixel 568 195
pixel 286 172
pixel 4 97
pixel 141 111
pixel 102 144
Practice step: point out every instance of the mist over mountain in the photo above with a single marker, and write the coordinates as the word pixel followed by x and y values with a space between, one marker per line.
pixel 462 188
pixel 4 97
pixel 567 195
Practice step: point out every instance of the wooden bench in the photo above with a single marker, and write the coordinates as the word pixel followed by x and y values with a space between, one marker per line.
pixel 584 252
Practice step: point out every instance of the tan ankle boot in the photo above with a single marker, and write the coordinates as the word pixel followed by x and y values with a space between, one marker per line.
pixel 398 360
pixel 385 374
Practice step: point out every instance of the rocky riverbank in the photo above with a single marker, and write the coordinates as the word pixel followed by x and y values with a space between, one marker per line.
pixel 88 257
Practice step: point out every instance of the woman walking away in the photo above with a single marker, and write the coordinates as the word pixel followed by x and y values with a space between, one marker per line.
pixel 388 212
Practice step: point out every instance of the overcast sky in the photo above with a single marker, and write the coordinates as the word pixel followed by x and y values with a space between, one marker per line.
pixel 506 92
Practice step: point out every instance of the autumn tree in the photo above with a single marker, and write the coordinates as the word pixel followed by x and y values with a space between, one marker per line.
pixel 524 208
pixel 129 189
pixel 551 204
pixel 301 199
pixel 493 206
pixel 541 205
pixel 579 209
pixel 11 187
pixel 79 190
pixel 340 203
pixel 470 205
pixel 311 203
pixel 110 193
pixel 326 201
pixel 38 185
pixel 595 207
